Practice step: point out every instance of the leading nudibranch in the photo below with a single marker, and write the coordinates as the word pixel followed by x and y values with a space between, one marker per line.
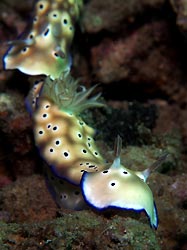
pixel 121 187
pixel 45 50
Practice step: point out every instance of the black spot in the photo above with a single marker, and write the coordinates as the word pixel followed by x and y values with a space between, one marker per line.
pixel 77 193
pixel 79 135
pixel 113 184
pixel 63 196
pixel 31 36
pixel 66 154
pixel 41 6
pixel 36 82
pixel 65 21
pixel 92 166
pixel 105 171
pixel 125 172
pixel 84 151
pixel 95 153
pixel 49 126
pixel 81 123
pixel 46 32
pixel 81 164
pixel 55 128
pixel 57 142
pixel 44 115
pixel 89 139
pixel 89 145
pixel 47 106
pixel 51 150
pixel 87 163
pixel 54 15
pixel 82 170
pixel 41 132
pixel 56 54
pixel 70 27
pixel 24 49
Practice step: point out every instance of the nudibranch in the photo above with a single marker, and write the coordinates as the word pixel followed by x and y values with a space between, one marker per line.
pixel 65 194
pixel 64 140
pixel 121 187
pixel 45 50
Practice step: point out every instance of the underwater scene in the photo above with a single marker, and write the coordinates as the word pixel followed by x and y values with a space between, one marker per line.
pixel 93 125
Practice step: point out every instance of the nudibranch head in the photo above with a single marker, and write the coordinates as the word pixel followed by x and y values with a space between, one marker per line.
pixel 45 50
pixel 65 141
pixel 119 187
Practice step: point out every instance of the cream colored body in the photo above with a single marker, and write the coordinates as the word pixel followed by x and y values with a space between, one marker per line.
pixel 65 142
pixel 121 188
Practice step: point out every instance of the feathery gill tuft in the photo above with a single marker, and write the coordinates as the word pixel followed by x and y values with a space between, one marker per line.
pixel 69 96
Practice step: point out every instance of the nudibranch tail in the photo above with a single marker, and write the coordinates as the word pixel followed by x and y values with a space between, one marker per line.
pixel 65 141
pixel 45 50
pixel 119 187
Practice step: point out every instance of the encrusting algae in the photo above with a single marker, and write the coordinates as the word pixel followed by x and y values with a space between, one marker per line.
pixel 77 174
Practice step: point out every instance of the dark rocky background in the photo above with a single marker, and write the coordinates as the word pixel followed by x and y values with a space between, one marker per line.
pixel 137 52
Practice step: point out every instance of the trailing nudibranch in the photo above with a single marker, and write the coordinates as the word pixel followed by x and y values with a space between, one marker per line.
pixel 66 144
pixel 64 139
pixel 45 50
